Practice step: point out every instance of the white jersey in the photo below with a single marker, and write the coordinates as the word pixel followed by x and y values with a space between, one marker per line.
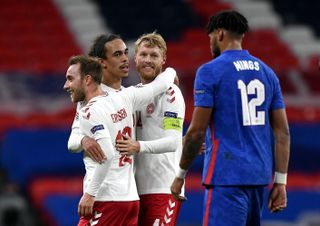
pixel 74 144
pixel 108 117
pixel 156 172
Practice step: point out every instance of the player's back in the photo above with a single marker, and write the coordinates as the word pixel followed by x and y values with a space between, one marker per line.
pixel 244 90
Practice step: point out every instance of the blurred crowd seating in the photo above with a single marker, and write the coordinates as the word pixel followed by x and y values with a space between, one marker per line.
pixel 34 37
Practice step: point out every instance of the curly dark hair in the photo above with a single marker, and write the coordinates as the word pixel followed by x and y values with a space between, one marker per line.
pixel 230 20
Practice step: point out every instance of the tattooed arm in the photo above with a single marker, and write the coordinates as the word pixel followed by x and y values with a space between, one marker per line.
pixel 192 143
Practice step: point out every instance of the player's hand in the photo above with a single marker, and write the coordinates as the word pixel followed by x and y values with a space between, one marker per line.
pixel 92 149
pixel 127 146
pixel 277 198
pixel 85 206
pixel 176 189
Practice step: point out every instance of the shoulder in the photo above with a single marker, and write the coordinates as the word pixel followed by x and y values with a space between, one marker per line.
pixel 207 67
pixel 80 105
pixel 131 89
pixel 95 105
pixel 208 73
pixel 211 67
pixel 173 90
pixel 172 96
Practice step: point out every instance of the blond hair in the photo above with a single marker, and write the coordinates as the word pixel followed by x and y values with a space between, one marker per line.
pixel 153 39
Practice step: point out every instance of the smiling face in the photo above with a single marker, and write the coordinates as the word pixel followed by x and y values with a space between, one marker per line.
pixel 74 83
pixel 149 61
pixel 117 60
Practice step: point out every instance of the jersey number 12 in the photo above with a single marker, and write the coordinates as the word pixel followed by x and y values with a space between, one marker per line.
pixel 250 115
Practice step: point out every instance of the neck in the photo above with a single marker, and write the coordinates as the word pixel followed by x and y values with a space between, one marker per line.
pixel 112 82
pixel 93 92
pixel 145 81
pixel 232 45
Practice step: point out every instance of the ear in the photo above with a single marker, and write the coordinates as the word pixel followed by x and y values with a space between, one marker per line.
pixel 102 62
pixel 135 58
pixel 220 34
pixel 87 79
pixel 164 60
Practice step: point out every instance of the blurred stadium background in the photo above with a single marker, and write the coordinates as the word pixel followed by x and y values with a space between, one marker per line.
pixel 41 183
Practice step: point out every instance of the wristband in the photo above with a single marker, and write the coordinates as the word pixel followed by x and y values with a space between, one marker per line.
pixel 280 178
pixel 182 173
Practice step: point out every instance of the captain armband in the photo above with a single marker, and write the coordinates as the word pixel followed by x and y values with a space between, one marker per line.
pixel 280 178
pixel 172 123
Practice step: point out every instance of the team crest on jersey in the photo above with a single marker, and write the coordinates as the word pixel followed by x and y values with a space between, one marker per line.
pixel 96 128
pixel 150 108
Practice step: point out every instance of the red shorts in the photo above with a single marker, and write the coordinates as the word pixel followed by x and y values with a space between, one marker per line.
pixel 112 213
pixel 158 209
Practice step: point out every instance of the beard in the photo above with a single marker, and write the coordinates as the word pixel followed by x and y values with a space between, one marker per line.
pixel 78 95
pixel 216 52
pixel 149 76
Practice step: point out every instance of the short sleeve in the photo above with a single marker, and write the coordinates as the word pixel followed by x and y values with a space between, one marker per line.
pixel 173 107
pixel 277 100
pixel 203 87
pixel 92 123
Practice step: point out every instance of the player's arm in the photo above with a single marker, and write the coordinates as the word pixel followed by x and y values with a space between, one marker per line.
pixel 86 203
pixel 78 142
pixel 163 81
pixel 195 136
pixel 141 95
pixel 192 143
pixel 94 128
pixel 74 142
pixel 173 108
pixel 168 143
pixel 279 123
pixel 281 132
pixel 101 170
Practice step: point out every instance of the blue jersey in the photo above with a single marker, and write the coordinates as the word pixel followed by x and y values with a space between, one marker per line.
pixel 242 91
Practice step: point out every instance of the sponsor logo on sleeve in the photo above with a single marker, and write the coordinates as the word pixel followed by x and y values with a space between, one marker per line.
pixel 170 114
pixel 198 91
pixel 96 128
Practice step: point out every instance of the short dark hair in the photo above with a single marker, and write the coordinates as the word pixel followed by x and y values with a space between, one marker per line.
pixel 98 46
pixel 230 20
pixel 88 66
